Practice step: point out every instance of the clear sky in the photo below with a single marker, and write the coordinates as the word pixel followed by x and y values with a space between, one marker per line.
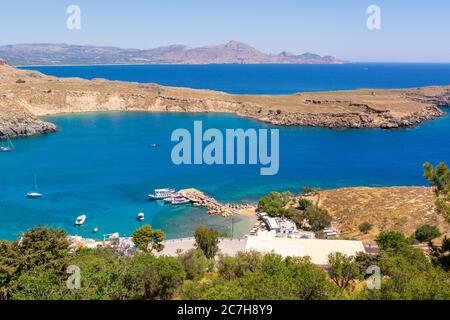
pixel 410 30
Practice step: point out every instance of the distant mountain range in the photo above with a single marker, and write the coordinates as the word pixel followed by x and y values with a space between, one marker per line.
pixel 231 53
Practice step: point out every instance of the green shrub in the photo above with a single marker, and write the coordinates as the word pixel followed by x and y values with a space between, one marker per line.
pixel 365 227
pixel 273 204
pixel 304 204
pixel 194 262
pixel 426 233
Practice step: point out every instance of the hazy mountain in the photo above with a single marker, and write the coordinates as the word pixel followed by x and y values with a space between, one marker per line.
pixel 232 52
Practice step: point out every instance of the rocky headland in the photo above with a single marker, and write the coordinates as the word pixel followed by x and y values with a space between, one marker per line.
pixel 27 95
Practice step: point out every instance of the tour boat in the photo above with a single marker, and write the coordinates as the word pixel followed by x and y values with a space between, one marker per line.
pixel 141 216
pixel 180 200
pixel 161 194
pixel 80 220
pixel 34 194
pixel 9 146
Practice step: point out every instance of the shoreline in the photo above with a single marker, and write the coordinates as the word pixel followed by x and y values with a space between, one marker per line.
pixel 30 94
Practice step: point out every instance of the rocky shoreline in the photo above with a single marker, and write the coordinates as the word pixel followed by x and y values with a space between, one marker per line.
pixel 374 119
pixel 26 95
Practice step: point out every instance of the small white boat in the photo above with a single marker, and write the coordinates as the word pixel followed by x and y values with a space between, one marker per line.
pixel 161 194
pixel 95 230
pixel 168 200
pixel 80 220
pixel 9 147
pixel 180 200
pixel 154 145
pixel 141 216
pixel 34 194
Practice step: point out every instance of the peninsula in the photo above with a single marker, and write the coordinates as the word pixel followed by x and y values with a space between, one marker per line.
pixel 233 52
pixel 26 95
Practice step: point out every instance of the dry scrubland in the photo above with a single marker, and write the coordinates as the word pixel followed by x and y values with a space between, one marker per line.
pixel 401 209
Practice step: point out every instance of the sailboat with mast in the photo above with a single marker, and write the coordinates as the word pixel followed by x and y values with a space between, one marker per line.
pixel 9 147
pixel 34 194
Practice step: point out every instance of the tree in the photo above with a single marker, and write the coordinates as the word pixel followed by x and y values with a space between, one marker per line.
pixel 276 278
pixel 207 240
pixel 343 269
pixel 364 260
pixel 440 255
pixel 317 218
pixel 365 227
pixel 194 262
pixel 149 277
pixel 443 208
pixel 308 190
pixel 304 204
pixel 243 262
pixel 439 177
pixel 39 247
pixel 391 240
pixel 410 278
pixel 147 239
pixel 426 233
pixel 102 275
pixel 273 204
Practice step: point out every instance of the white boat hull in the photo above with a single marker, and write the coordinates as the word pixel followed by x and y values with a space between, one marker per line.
pixel 34 195
pixel 80 220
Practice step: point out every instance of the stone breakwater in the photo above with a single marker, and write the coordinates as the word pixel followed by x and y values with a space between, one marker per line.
pixel 26 95
pixel 214 207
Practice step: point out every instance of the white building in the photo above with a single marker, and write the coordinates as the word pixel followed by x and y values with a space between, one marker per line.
pixel 317 250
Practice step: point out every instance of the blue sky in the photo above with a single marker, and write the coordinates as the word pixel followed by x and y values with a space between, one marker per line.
pixel 411 30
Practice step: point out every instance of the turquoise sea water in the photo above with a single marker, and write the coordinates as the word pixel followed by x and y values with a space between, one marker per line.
pixel 102 165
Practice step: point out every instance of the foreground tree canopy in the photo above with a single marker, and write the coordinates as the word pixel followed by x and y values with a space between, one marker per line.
pixel 36 267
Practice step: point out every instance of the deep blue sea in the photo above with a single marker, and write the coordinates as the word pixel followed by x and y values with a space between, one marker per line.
pixel 268 79
pixel 102 165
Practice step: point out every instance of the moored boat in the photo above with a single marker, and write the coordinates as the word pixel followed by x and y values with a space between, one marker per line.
pixel 34 194
pixel 161 194
pixel 180 200
pixel 80 220
pixel 9 146
pixel 141 216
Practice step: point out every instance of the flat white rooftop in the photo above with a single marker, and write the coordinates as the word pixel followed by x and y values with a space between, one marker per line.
pixel 317 250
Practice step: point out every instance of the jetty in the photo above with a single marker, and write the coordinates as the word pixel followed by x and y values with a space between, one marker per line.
pixel 214 207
